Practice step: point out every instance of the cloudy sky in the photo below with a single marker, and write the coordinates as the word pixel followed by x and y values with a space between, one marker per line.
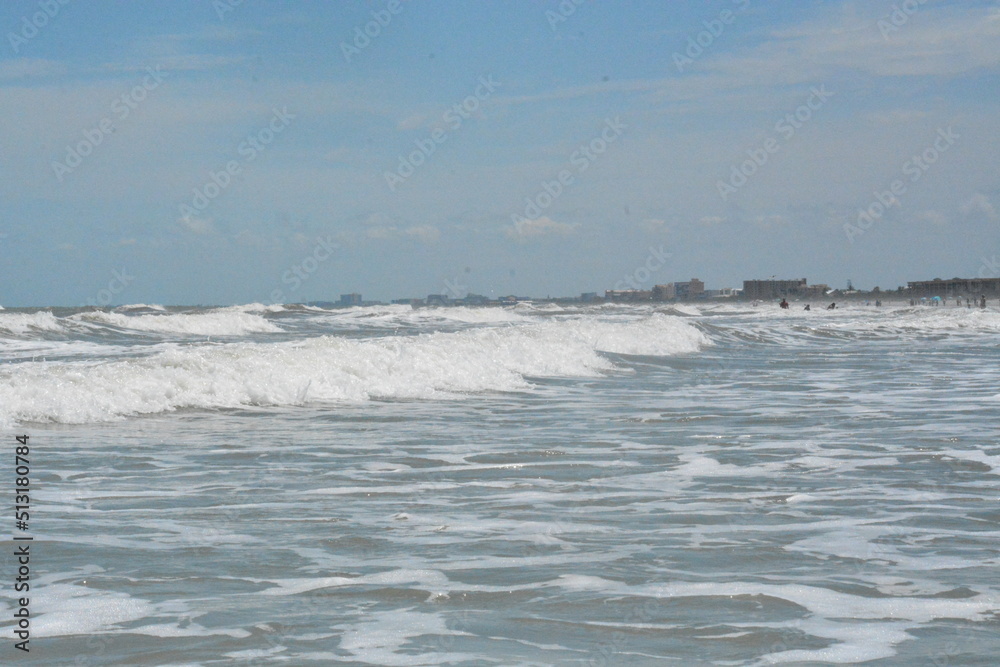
pixel 221 152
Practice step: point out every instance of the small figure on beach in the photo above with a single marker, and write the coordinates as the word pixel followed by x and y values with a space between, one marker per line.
pixel 832 306
pixel 982 301
pixel 807 307
pixel 783 304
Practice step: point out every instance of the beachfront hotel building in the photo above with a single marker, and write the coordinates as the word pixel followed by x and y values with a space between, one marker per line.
pixel 773 289
pixel 954 287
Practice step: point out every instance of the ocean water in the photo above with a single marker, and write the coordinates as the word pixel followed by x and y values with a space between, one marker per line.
pixel 536 485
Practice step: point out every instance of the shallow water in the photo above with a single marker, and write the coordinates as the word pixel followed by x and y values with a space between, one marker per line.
pixel 606 485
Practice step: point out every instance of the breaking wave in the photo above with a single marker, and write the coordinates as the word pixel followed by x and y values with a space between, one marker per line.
pixel 329 369
pixel 212 323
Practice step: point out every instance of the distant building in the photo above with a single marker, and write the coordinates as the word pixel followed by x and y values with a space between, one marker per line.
pixel 815 291
pixel 352 299
pixel 664 292
pixel 588 297
pixel 772 289
pixel 438 300
pixel 954 286
pixel 628 295
pixel 475 299
pixel 722 293
pixel 408 302
pixel 693 289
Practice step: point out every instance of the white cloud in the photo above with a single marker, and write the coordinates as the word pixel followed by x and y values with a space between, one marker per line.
pixel 381 226
pixel 196 225
pixel 412 122
pixel 935 218
pixel 190 62
pixel 979 204
pixel 525 228
pixel 30 67
pixel 897 117
pixel 938 40
pixel 425 233
pixel 653 224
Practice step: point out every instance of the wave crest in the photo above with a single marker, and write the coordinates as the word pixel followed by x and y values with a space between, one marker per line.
pixel 332 369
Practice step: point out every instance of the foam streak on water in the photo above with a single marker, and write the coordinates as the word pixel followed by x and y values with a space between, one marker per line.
pixel 610 485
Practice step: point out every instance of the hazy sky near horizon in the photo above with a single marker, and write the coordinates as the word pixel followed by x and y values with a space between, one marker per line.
pixel 223 152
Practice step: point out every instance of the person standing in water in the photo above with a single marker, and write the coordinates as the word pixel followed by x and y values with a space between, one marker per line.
pixel 783 304
pixel 982 301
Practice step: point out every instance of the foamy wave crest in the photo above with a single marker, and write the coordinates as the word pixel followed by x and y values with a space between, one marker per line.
pixel 254 308
pixel 935 320
pixel 217 323
pixel 397 315
pixel 22 323
pixel 472 315
pixel 331 370
pixel 140 306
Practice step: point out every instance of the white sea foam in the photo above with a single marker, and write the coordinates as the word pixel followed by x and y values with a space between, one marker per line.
pixel 329 369
pixel 833 614
pixel 378 639
pixel 140 306
pixel 213 323
pixel 69 609
pixel 254 308
pixel 24 323
pixel 401 315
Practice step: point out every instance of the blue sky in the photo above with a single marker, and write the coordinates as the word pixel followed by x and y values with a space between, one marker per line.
pixel 225 152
